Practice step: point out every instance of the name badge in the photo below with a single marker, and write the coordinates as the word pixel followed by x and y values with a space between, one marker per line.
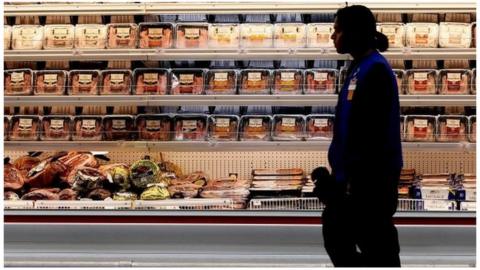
pixel 351 88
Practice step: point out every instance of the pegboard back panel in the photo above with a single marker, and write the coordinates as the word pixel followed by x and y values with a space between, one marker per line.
pixel 435 162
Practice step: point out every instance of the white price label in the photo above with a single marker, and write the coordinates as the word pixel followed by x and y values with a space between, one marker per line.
pixel 25 123
pixel 222 122
pixel 258 29
pixel 153 125
pixel 288 122
pixel 189 125
pixel 119 124
pixel 123 32
pixel 56 123
pixel 85 78
pixel 150 77
pixel 192 33
pixel 320 123
pixel 434 193
pixel 471 194
pixel 255 122
pixel 91 32
pixel 17 76
pixel 155 32
pixel 420 76
pixel 437 205
pixel 388 29
pixel 186 78
pixel 117 78
pixel 454 77
pixel 220 76
pixel 289 29
pixel 50 78
pixel 223 30
pixel 422 30
pixel 320 76
pixel 468 206
pixel 420 123
pixel 88 123
pixel 287 76
pixel 453 123
pixel 254 76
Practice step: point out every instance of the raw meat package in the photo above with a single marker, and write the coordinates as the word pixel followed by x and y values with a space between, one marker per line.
pixel 455 35
pixel 190 127
pixel 474 35
pixel 319 126
pixel 58 36
pixel 402 127
pixel 289 35
pixel 151 81
pixel 288 81
pixel 87 128
pixel 452 128
pixel 18 82
pixel 395 33
pixel 83 82
pixel 187 81
pixel 155 35
pixel 6 127
pixel 191 35
pixel 27 37
pixel 116 82
pixel 288 127
pixel 256 35
pixel 280 172
pixel 50 82
pixel 474 82
pixel 454 81
pixel 122 35
pixel 7 37
pixel 154 127
pixel 422 35
pixel 118 128
pixel 90 36
pixel 255 127
pixel 223 127
pixel 221 81
pixel 421 81
pixel 472 131
pixel 320 81
pixel 318 35
pixel 24 128
pixel 55 127
pixel 400 75
pixel 420 128
pixel 255 81
pixel 224 35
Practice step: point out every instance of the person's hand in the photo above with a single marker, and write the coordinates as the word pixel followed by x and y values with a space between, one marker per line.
pixel 323 184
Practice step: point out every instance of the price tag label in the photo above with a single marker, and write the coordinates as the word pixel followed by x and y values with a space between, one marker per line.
pixel 255 122
pixel 471 194
pixel 437 205
pixel 434 193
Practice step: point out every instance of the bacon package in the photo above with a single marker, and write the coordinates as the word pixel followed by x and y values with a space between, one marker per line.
pixel 288 81
pixel 420 128
pixel 83 82
pixel 190 127
pixel 87 128
pixel 400 75
pixel 151 81
pixel 255 127
pixel 452 128
pixel 154 127
pixel 155 35
pixel 55 127
pixel 58 36
pixel 422 35
pixel 288 127
pixel 255 81
pixel 27 37
pixel 24 128
pixel 472 130
pixel 321 81
pixel 192 35
pixel 50 82
pixel 318 35
pixel 223 127
pixel 256 35
pixel 118 127
pixel 289 35
pixel 18 82
pixel 221 81
pixel 7 37
pixel 187 81
pixel 122 35
pixel 90 36
pixel 454 81
pixel 319 126
pixel 395 33
pixel 421 81
pixel 455 35
pixel 116 82
pixel 224 35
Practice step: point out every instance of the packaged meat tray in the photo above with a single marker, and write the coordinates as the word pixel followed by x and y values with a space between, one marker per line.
pixel 400 76
pixel 55 127
pixel 83 82
pixel 87 128
pixel 318 35
pixel 395 33
pixel 224 35
pixel 151 81
pixel 58 36
pixel 288 81
pixel 50 82
pixel 24 128
pixel 402 127
pixel 454 81
pixel 223 127
pixel 192 35
pixel 27 37
pixel 256 35
pixel 18 82
pixel 288 127
pixel 420 128
pixel 122 35
pixel 320 81
pixel 452 128
pixel 421 81
pixel 155 35
pixel 90 36
pixel 118 128
pixel 7 37
pixel 472 131
pixel 6 127
pixel 221 82
pixel 154 127
pixel 190 127
pixel 255 81
pixel 474 35
pixel 289 35
pixel 255 127
pixel 474 82
pixel 293 171
pixel 422 35
pixel 116 82
pixel 455 35
pixel 187 81
pixel 319 126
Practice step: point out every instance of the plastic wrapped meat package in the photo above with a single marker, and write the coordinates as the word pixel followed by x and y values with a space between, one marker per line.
pixel 50 82
pixel 27 37
pixel 7 37
pixel 455 35
pixel 221 81
pixel 288 127
pixel 58 36
pixel 87 128
pixel 319 126
pixel 474 35
pixel 24 128
pixel 156 35
pixel 190 127
pixel 474 82
pixel 255 81
pixel 255 127
pixel 154 127
pixel 256 35
pixel 288 81
pixel 224 35
pixel 90 36
pixel 420 128
pixel 454 81
pixel 402 127
pixel 84 82
pixel 18 82
pixel 6 127
pixel 318 35
pixel 422 35
pixel 191 35
pixel 321 81
pixel 223 127
pixel 187 81
pixel 289 35
pixel 452 128
pixel 122 35
pixel 118 127
pixel 395 33
pixel 421 81
pixel 116 82
pixel 400 76
pixel 55 127
pixel 151 81
pixel 472 134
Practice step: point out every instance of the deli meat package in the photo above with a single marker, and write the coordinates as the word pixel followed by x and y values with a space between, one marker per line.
pixel 422 35
pixel 455 35
pixel 192 35
pixel 472 123
pixel 118 127
pixel 223 127
pixel 454 81
pixel 319 126
pixel 18 82
pixel 83 82
pixel 221 81
pixel 288 81
pixel 402 127
pixel 288 127
pixel 6 127
pixel 320 81
pixel 255 81
pixel 24 128
pixel 421 81
pixel 289 35
pixel 474 82
pixel 277 179
pixel 224 35
pixel 318 35
pixel 420 128
pixel 190 127
pixel 116 82
pixel 55 127
pixel 87 128
pixel 58 36
pixel 151 81
pixel 155 35
pixel 122 35
pixel 400 76
pixel 187 81
pixel 256 35
pixel 474 35
pixel 154 127
pixel 90 36
pixel 452 128
pixel 255 127
pixel 13 179
pixel 7 36
pixel 50 82
pixel 27 37
pixel 395 33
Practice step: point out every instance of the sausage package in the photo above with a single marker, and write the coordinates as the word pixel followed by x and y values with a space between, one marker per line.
pixel 27 37
pixel 472 128
pixel 7 37
pixel 319 126
pixel 289 35
pixel 187 81
pixel 18 82
pixel 116 82
pixel 87 128
pixel 50 82
pixel 422 35
pixel 288 81
pixel 455 35
pixel 122 35
pixel 395 33
pixel 58 36
pixel 55 127
pixel 190 127
pixel 151 81
pixel 452 128
pixel 224 35
pixel 318 35
pixel 154 127
pixel 420 128
pixel 155 35
pixel 83 82
pixel 255 81
pixel 221 81
pixel 256 35
pixel 320 81
pixel 288 127
pixel 90 36
pixel 474 82
pixel 421 81
pixel 454 81
pixel 118 127
pixel 255 127
pixel 191 35
pixel 400 76
pixel 24 128
pixel 223 127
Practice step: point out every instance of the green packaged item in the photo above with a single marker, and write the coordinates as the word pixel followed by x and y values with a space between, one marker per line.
pixel 124 196
pixel 155 192
pixel 144 172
